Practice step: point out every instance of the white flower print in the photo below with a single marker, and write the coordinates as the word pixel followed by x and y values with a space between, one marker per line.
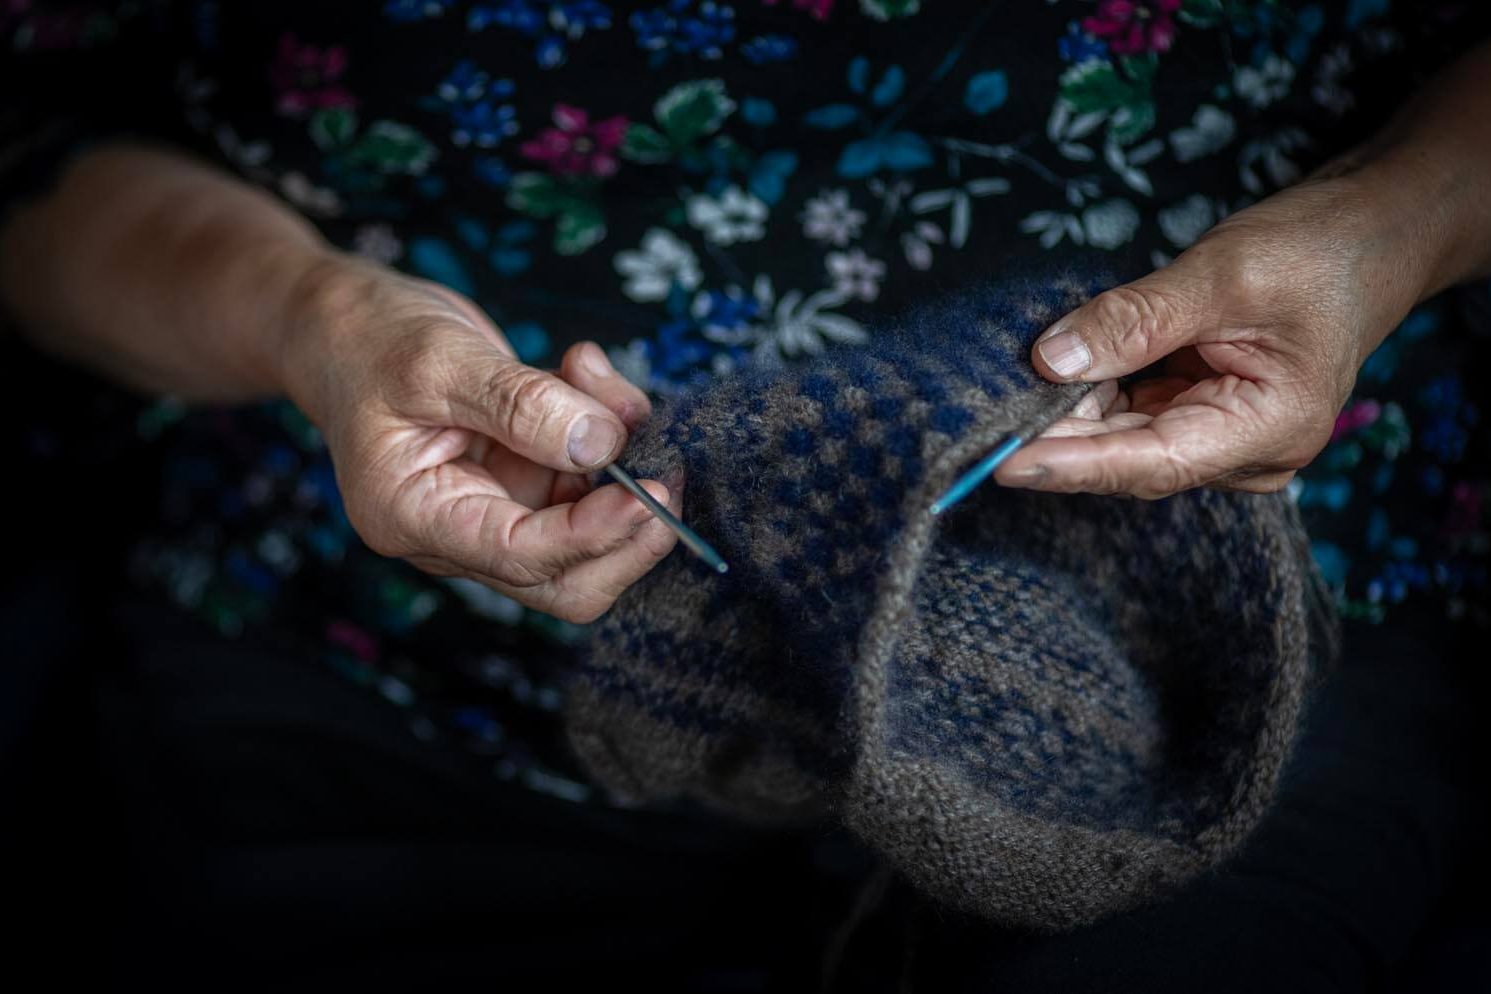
pixel 250 157
pixel 1261 87
pixel 1272 154
pixel 854 274
pixel 1110 224
pixel 377 242
pixel 1188 220
pixel 799 325
pixel 663 262
pixel 1210 131
pixel 917 244
pixel 1329 91
pixel 313 199
pixel 733 216
pixel 829 218
pixel 1106 226
pixel 1052 226
pixel 1126 162
pixel 796 324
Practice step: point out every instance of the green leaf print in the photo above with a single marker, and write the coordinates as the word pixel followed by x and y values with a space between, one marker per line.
pixel 692 110
pixel 885 10
pixel 392 148
pixel 1126 96
pixel 536 195
pixel 578 228
pixel 645 144
pixel 333 127
pixel 1201 13
pixel 578 220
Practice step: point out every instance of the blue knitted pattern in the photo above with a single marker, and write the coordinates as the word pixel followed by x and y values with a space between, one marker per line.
pixel 1042 709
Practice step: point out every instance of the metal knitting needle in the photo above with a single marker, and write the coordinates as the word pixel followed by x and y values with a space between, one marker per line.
pixel 689 537
pixel 985 467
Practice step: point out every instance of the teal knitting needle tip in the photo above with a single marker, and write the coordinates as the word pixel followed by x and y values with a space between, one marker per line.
pixel 980 472
pixel 687 535
pixel 986 466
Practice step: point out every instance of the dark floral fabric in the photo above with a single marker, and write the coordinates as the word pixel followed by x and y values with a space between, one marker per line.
pixel 697 184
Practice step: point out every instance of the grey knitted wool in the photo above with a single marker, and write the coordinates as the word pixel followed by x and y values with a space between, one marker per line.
pixel 1041 710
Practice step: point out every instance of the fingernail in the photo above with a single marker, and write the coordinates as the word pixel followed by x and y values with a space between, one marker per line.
pixel 1026 475
pixel 1066 354
pixel 595 361
pixel 592 440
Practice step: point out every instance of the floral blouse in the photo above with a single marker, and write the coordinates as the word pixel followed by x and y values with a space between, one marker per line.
pixel 698 183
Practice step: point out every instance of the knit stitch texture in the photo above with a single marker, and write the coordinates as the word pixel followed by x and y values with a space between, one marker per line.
pixel 1041 709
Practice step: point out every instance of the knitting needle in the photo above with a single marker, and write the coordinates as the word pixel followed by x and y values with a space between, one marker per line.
pixel 985 467
pixel 690 538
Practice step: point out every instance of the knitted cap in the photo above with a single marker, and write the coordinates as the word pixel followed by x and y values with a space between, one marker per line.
pixel 1041 709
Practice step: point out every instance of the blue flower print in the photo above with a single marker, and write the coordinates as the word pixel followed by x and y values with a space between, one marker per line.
pixel 550 25
pixel 492 171
pixel 1077 46
pixel 678 354
pixel 483 124
pixel 723 314
pixel 405 11
pixel 477 106
pixel 768 48
pixel 466 83
pixel 685 27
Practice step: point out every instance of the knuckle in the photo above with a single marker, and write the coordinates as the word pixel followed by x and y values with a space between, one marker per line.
pixel 1131 319
pixel 1170 476
pixel 658 540
pixel 514 573
pixel 1102 479
pixel 527 401
pixel 470 531
pixel 1252 276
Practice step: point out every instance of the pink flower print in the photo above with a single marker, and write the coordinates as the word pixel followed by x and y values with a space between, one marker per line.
pixel 575 147
pixel 820 9
pixel 305 77
pixel 1133 27
pixel 345 635
pixel 1356 417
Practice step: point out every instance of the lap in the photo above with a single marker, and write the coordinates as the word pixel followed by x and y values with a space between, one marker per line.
pixel 272 817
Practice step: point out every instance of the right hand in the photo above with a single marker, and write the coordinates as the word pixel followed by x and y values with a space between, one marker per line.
pixel 452 454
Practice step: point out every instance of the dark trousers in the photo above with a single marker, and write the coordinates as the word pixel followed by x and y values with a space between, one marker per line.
pixel 233 816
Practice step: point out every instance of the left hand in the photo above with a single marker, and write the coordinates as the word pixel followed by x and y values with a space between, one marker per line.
pixel 1260 329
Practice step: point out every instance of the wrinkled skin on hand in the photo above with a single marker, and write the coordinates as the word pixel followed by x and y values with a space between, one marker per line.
pixel 454 455
pixel 1256 334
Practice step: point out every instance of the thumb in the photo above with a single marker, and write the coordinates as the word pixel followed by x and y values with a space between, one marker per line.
pixel 535 414
pixel 1126 328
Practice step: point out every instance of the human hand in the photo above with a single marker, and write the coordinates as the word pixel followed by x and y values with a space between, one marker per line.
pixel 454 455
pixel 1259 329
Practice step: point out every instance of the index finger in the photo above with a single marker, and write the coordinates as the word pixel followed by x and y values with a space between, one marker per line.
pixel 1184 447
pixel 455 512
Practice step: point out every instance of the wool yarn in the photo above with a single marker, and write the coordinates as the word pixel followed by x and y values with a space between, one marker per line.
pixel 1040 709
